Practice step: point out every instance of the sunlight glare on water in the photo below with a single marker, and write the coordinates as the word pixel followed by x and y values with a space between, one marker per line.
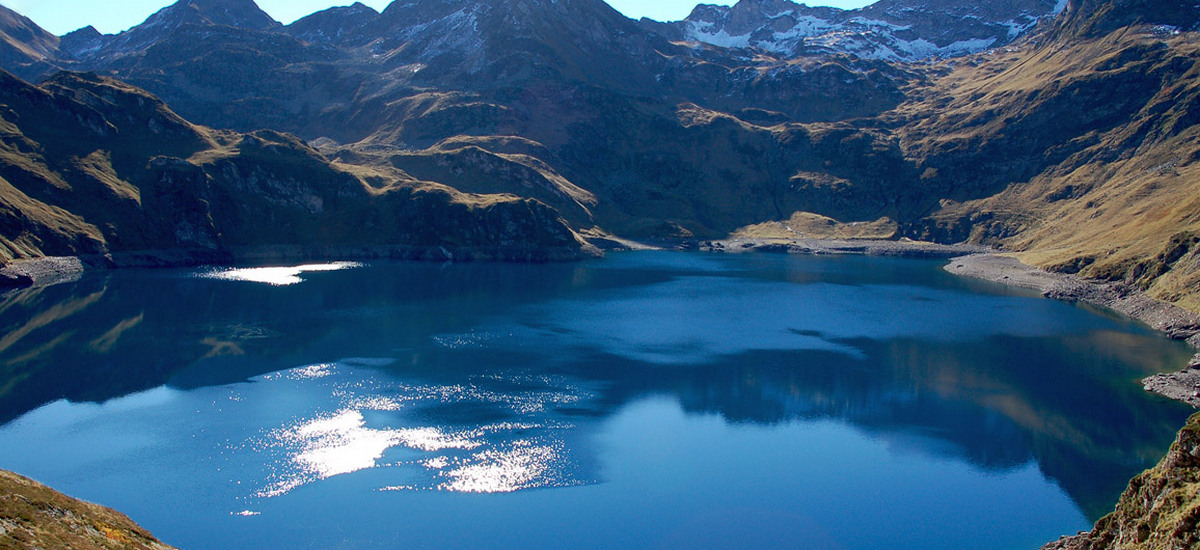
pixel 276 276
pixel 524 466
pixel 343 444
pixel 491 458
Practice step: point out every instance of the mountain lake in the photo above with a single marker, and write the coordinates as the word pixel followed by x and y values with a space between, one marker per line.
pixel 644 400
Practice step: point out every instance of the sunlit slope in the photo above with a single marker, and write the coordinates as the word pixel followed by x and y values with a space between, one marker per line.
pixel 1081 154
pixel 89 165
pixel 35 516
pixel 1159 510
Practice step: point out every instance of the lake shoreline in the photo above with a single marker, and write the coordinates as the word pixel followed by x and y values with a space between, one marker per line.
pixel 966 260
pixel 973 261
pixel 53 270
pixel 1173 321
pixel 987 264
pixel 866 247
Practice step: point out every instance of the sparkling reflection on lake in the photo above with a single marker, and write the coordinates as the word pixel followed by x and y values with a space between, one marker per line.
pixel 647 400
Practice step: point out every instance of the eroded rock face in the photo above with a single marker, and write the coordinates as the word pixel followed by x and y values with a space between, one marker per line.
pixel 1160 509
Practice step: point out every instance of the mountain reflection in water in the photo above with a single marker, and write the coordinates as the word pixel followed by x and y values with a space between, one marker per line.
pixel 489 375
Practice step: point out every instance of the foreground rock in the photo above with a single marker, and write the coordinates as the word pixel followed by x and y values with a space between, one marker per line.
pixel 35 516
pixel 1159 510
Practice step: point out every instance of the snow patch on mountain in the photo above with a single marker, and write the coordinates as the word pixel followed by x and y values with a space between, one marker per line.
pixel 891 30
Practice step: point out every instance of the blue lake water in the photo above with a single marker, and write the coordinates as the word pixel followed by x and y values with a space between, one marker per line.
pixel 646 400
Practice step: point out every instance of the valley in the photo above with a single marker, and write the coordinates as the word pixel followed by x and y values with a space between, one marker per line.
pixel 643 132
pixel 1063 134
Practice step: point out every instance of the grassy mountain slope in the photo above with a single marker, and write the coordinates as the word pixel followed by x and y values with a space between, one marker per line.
pixel 89 165
pixel 1159 510
pixel 35 516
pixel 1079 154
pixel 25 48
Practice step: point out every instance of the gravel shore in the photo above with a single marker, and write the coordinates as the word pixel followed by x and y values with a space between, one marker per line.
pixel 984 263
pixel 910 249
pixel 1176 322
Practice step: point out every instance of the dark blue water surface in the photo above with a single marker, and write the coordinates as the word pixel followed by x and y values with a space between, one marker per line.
pixel 647 400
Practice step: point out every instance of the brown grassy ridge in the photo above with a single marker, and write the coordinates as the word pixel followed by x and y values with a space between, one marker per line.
pixel 90 165
pixel 806 225
pixel 1100 138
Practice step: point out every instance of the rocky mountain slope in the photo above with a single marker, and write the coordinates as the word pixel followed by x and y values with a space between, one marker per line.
pixel 35 516
pixel 1080 151
pixel 1159 510
pixel 89 165
pixel 599 103
pixel 893 30
pixel 25 48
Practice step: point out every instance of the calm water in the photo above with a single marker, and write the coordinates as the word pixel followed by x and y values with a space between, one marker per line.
pixel 648 400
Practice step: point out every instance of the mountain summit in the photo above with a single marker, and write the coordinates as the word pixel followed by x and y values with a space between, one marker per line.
pixel 240 14
pixel 343 26
pixel 244 14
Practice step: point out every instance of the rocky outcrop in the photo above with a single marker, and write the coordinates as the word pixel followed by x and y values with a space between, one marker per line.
pixel 1159 511
pixel 35 516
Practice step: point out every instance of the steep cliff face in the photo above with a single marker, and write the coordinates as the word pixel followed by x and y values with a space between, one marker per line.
pixel 1159 511
pixel 35 516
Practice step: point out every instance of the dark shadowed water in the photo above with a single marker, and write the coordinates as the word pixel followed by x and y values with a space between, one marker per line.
pixel 647 400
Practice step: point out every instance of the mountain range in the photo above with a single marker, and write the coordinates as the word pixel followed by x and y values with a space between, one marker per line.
pixel 1067 133
pixel 1070 139
pixel 894 30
